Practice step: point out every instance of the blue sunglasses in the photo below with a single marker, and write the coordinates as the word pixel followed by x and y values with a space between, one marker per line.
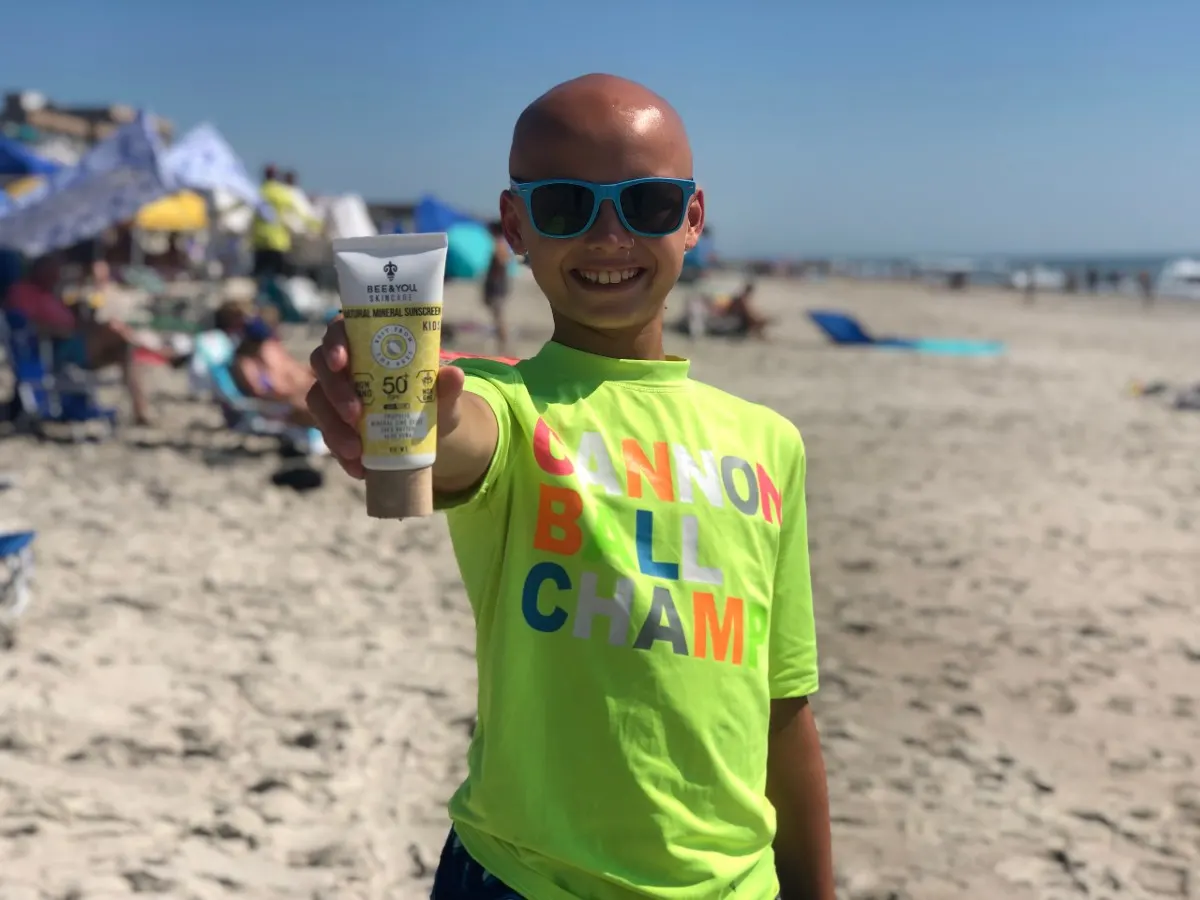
pixel 566 208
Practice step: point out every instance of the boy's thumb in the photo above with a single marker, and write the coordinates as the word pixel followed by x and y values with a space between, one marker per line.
pixel 450 381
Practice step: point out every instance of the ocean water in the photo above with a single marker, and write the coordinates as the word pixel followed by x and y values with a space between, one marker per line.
pixel 1114 273
pixel 1123 267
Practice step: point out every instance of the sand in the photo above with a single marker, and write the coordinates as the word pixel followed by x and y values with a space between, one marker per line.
pixel 225 688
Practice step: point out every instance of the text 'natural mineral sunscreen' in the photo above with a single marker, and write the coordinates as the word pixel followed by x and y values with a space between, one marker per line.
pixel 391 292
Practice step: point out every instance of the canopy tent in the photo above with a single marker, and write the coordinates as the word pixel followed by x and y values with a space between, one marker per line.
pixel 16 158
pixel 345 215
pixel 112 182
pixel 184 211
pixel 1180 279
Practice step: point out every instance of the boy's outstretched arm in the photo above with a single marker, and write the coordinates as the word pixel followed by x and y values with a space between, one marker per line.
pixel 467 427
pixel 796 788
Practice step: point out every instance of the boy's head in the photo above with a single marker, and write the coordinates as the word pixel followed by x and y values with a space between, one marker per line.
pixel 601 269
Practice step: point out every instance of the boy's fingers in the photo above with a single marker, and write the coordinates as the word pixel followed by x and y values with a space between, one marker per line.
pixel 336 387
pixel 352 467
pixel 335 346
pixel 341 437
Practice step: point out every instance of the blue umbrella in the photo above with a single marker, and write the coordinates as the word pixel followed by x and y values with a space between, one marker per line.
pixel 17 159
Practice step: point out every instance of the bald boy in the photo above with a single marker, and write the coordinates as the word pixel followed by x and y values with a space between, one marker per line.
pixel 634 547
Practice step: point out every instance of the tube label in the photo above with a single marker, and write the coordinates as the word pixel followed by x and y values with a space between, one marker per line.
pixel 394 349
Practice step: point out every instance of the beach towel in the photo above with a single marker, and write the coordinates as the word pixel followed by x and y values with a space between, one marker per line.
pixel 846 331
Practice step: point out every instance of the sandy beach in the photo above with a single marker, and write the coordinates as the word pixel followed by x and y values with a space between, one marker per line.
pixel 225 688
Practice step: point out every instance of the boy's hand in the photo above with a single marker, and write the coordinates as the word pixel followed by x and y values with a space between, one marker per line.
pixel 337 409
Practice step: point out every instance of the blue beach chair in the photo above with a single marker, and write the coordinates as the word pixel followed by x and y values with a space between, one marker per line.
pixel 47 392
pixel 16 574
pixel 246 415
pixel 846 331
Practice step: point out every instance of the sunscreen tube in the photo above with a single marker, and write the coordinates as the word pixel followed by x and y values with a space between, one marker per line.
pixel 391 293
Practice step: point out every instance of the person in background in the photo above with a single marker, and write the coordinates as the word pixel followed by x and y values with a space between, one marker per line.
pixel 269 234
pixel 80 341
pixel 496 285
pixel 1146 287
pixel 305 217
pixel 750 321
pixel 264 370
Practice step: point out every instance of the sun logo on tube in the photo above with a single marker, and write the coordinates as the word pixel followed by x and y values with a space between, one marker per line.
pixel 389 269
pixel 393 346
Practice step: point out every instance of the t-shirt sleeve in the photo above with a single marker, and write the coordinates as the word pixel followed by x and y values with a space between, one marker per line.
pixel 486 388
pixel 793 635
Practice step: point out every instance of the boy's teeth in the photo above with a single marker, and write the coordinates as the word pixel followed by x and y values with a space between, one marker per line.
pixel 609 276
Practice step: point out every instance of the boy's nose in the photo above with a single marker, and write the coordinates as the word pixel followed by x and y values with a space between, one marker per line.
pixel 608 230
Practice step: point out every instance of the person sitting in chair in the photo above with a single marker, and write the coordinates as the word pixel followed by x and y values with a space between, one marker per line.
pixel 78 340
pixel 263 369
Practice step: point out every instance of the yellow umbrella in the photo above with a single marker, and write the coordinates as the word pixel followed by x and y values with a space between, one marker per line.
pixel 185 211
pixel 22 185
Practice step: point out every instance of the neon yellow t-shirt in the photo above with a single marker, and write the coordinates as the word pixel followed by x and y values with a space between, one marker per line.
pixel 637 562
pixel 273 234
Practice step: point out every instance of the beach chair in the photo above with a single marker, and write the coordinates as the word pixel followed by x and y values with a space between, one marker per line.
pixel 261 418
pixel 16 574
pixel 48 394
pixel 845 330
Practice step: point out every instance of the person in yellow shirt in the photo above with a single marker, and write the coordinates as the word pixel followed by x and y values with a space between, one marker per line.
pixel 269 235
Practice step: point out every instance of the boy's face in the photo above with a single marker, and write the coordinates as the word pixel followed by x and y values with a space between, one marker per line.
pixel 605 146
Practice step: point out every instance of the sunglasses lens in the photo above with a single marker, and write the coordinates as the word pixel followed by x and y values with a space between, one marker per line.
pixel 653 207
pixel 561 210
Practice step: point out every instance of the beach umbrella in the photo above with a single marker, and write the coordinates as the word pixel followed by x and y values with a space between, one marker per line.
pixel 184 211
pixel 17 159
pixel 115 179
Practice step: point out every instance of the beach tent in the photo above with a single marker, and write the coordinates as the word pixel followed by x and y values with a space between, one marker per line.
pixel 431 214
pixel 184 211
pixel 17 158
pixel 112 182
pixel 345 215
pixel 469 250
pixel 1180 279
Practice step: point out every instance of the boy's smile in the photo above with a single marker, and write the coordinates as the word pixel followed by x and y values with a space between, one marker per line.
pixel 587 145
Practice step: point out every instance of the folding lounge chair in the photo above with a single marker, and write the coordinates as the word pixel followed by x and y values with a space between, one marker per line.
pixel 48 394
pixel 16 573
pixel 247 415
pixel 845 330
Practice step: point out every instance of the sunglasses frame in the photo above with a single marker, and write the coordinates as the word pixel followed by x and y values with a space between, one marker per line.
pixel 602 191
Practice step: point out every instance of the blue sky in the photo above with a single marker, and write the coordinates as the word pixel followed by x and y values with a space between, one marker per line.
pixel 894 126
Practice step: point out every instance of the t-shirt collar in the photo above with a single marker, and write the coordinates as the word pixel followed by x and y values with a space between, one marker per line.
pixel 578 364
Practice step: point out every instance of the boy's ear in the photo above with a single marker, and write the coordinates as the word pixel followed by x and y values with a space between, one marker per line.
pixel 512 222
pixel 695 220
